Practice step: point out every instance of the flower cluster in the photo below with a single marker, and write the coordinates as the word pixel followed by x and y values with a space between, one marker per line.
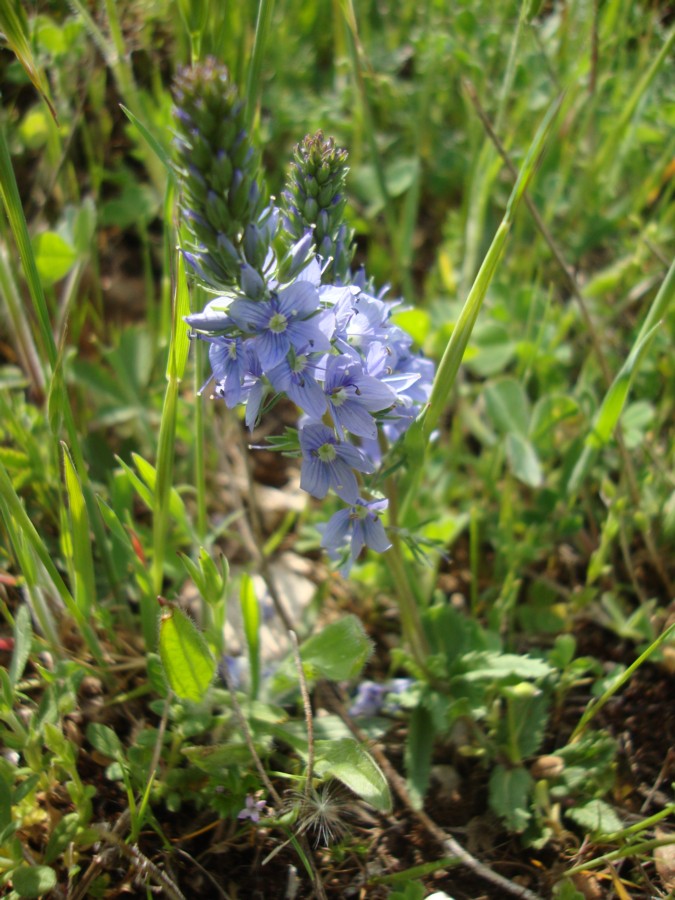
pixel 373 698
pixel 288 315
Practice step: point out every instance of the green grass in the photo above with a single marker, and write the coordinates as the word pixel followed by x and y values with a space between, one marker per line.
pixel 535 521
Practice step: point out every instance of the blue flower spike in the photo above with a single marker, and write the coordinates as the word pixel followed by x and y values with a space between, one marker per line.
pixel 287 316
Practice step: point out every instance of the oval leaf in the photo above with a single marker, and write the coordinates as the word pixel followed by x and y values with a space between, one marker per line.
pixel 186 658
pixel 508 407
pixel 33 881
pixel 103 738
pixel 339 652
pixel 348 762
pixel 523 460
pixel 54 256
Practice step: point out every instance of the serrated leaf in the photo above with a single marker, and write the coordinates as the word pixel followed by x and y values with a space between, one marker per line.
pixel 596 817
pixel 418 750
pixel 187 660
pixel 217 758
pixel 103 738
pixel 493 666
pixel 509 793
pixel 339 651
pixel 354 767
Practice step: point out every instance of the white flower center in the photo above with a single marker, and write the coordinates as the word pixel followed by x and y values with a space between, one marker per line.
pixel 339 396
pixel 327 452
pixel 278 323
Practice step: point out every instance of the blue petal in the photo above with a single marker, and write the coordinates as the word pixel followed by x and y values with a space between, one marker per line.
pixel 354 458
pixel 209 321
pixel 305 333
pixel 314 477
pixel 253 403
pixel 343 480
pixel 375 395
pixel 374 534
pixel 309 397
pixel 335 532
pixel 272 349
pixel 251 315
pixel 299 299
pixel 353 417
pixel 315 435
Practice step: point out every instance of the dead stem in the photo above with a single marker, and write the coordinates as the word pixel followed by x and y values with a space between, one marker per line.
pixel 309 721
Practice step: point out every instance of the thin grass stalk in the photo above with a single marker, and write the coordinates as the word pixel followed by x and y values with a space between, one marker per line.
pixel 660 304
pixel 454 352
pixel 595 707
pixel 178 351
pixel 410 210
pixel 17 221
pixel 27 561
pixel 657 311
pixel 161 516
pixel 200 445
pixel 16 312
pixel 487 165
pixel 82 578
pixel 19 527
pixel 418 436
pixel 116 58
pixel 353 46
pixel 609 150
pixel 58 402
pixel 253 83
pixel 634 850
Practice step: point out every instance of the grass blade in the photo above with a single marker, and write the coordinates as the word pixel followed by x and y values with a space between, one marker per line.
pixel 250 609
pixel 607 417
pixel 454 352
pixel 81 545
pixel 14 27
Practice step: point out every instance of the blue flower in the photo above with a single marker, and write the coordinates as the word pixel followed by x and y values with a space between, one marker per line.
pixel 296 376
pixel 353 396
pixel 329 463
pixel 213 319
pixel 252 809
pixel 369 699
pixel 373 698
pixel 290 318
pixel 360 523
pixel 229 361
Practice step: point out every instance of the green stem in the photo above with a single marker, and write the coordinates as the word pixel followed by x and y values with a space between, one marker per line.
pixel 417 437
pixel 200 445
pixel 622 853
pixel 595 708
pixel 253 88
pixel 411 623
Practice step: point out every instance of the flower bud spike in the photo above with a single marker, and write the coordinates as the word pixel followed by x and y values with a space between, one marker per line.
pixel 314 198
pixel 218 173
